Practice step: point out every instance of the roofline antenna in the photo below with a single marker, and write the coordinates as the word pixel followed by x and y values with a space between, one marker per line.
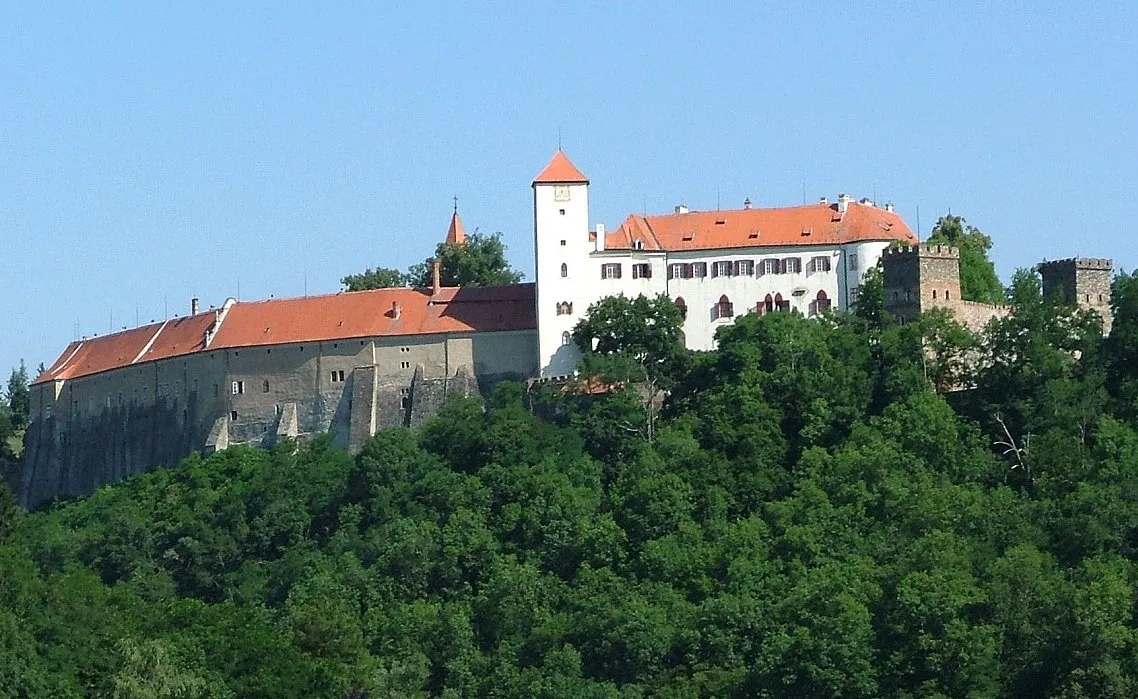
pixel 559 138
pixel 918 221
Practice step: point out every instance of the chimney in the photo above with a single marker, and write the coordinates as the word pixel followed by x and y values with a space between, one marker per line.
pixel 194 306
pixel 681 209
pixel 747 203
pixel 600 242
pixel 435 278
pixel 824 201
pixel 843 203
pixel 395 310
pixel 889 206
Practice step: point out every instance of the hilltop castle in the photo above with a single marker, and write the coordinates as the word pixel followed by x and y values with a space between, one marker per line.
pixel 350 363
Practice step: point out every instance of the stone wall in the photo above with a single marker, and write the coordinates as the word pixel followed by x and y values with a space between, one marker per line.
pixel 98 429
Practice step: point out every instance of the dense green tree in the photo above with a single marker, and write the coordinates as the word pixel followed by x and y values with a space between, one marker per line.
pixel 18 397
pixel 479 261
pixel 378 278
pixel 978 280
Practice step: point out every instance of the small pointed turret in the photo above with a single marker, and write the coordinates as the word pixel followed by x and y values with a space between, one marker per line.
pixel 456 234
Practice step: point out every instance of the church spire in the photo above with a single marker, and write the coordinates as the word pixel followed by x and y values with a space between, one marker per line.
pixel 456 234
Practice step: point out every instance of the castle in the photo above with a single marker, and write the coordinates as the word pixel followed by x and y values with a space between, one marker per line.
pixel 350 363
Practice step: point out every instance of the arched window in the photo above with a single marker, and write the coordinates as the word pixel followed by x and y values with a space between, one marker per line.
pixel 683 307
pixel 564 270
pixel 947 296
pixel 821 302
pixel 723 309
pixel 779 304
pixel 768 304
pixel 934 294
pixel 566 337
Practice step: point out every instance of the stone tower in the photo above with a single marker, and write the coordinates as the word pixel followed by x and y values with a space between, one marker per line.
pixel 1082 282
pixel 918 278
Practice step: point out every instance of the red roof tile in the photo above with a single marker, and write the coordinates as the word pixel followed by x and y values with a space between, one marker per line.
pixel 150 342
pixel 560 170
pixel 314 318
pixel 818 224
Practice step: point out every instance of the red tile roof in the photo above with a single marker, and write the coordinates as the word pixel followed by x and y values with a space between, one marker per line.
pixel 560 170
pixel 817 224
pixel 456 234
pixel 147 343
pixel 314 318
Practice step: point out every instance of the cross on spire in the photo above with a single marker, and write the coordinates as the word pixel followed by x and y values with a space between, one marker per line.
pixel 455 198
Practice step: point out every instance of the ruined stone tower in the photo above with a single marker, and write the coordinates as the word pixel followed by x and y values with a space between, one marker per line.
pixel 1082 282
pixel 918 278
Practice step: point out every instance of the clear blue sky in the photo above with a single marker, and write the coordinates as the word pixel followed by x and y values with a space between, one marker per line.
pixel 150 152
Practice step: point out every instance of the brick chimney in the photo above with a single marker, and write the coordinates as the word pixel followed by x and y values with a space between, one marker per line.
pixel 436 278
pixel 395 310
pixel 194 306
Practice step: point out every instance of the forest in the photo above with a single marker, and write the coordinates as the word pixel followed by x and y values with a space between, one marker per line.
pixel 837 506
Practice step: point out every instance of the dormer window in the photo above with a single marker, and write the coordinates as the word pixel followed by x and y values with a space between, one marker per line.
pixel 689 236
pixel 638 245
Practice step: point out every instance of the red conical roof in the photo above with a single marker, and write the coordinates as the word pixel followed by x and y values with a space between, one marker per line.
pixel 456 234
pixel 560 170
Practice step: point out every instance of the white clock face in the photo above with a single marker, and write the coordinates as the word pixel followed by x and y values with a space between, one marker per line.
pixel 561 192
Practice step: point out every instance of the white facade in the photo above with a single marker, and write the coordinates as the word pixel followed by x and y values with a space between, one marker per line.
pixel 563 268
pixel 824 276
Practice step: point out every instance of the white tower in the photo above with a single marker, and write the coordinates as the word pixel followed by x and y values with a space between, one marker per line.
pixel 561 261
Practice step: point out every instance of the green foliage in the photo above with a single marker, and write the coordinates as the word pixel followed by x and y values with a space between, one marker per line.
pixel 831 506
pixel 978 280
pixel 479 261
pixel 378 278
pixel 18 397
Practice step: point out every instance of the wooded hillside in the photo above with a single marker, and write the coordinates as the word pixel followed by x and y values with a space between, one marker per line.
pixel 818 510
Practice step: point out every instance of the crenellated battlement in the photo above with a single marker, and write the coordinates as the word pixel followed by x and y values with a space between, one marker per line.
pixel 1098 264
pixel 940 252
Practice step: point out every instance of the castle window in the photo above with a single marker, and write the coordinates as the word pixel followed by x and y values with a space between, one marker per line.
pixel 676 270
pixel 934 294
pixel 792 265
pixel 723 268
pixel 337 377
pixel 404 349
pixel 852 262
pixel 642 270
pixel 404 398
pixel 682 306
pixel 565 308
pixel 47 411
pixel 767 305
pixel 821 303
pixel 699 270
pixel 947 296
pixel 232 414
pixel 638 245
pixel 722 309
pixel 238 387
pixel 770 267
pixel 821 263
pixel 562 243
pixel 781 305
pixel 745 268
pixel 564 270
pixel 566 337
pixel 404 365
pixel 561 211
pixel 610 270
pixel 265 386
pixel 854 292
